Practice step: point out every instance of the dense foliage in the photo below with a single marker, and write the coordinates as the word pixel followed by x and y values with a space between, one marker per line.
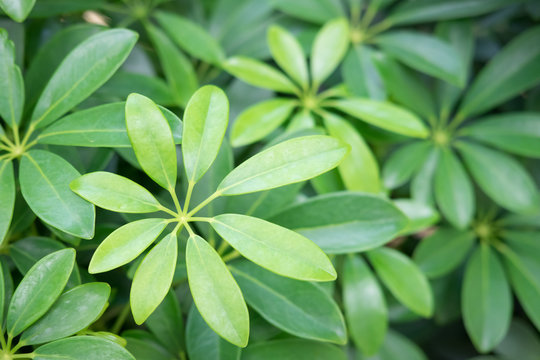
pixel 269 179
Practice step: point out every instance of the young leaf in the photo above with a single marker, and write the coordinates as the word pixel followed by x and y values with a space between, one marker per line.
pixel 11 81
pixel 18 10
pixel 259 120
pixel 359 170
pixel 83 71
pixel 288 162
pixel 288 53
pixel 329 48
pixel 153 278
pixel 501 177
pixel 365 306
pixel 384 115
pixel 453 190
pixel 274 247
pixel 45 179
pixel 361 75
pixel 344 222
pixel 114 192
pixel 297 349
pixel 215 293
pixel 298 307
pixel 152 140
pixel 404 162
pixel 205 123
pixel 167 323
pixel 73 311
pixel 82 348
pixel 485 287
pixel 404 279
pixel 38 290
pixel 7 197
pixel 125 244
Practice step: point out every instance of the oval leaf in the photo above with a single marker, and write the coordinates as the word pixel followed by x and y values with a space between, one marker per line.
pixel 82 348
pixel 7 197
pixel 11 81
pixel 293 349
pixel 404 162
pixel 18 10
pixel 288 53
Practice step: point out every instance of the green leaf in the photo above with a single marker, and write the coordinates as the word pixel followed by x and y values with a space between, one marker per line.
pixel 191 37
pixel 205 122
pixel 329 48
pixel 361 75
pixel 18 10
pixel 501 177
pixel 365 306
pixel 167 323
pixel 384 115
pixel 297 307
pixel 38 290
pixel 288 54
pixel 114 192
pixel 288 162
pixel 82 348
pixel 152 140
pixel 258 73
pixel 99 126
pixel 421 216
pixel 177 68
pixel 259 120
pixel 302 120
pixel 397 346
pixel 125 244
pixel 404 280
pixel 45 179
pixel 317 11
pixel 73 311
pixel 203 343
pixel 453 190
pixel 83 71
pixel 513 70
pixel 145 346
pixel 486 299
pixel 2 294
pixel 521 342
pixel 215 293
pixel 403 163
pixel 422 184
pixel 292 349
pixel 443 251
pixel 517 132
pixel 359 170
pixel 153 278
pixel 274 247
pixel 7 197
pixel 344 222
pixel 425 53
pixel 11 80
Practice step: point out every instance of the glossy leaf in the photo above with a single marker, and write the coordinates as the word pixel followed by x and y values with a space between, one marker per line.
pixel 421 216
pixel 397 346
pixel 422 184
pixel 45 179
pixel 152 140
pixel 215 293
pixel 318 11
pixel 2 294
pixel 404 162
pixel 361 75
pixel 205 122
pixel 18 10
pixel 289 162
pixel 153 278
pixel 520 342
pixel 288 53
pixel 38 290
pixel 293 349
pixel 344 222
pixel 83 71
pixel 7 197
pixel 11 81
pixel 167 323
pixel 82 348
pixel 404 279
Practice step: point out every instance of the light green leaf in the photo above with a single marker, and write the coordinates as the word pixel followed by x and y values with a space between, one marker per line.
pixel 167 323
pixel 421 216
pixel 297 307
pixel 215 293
pixel 7 197
pixel 288 54
pixel 152 140
pixel 293 349
pixel 274 247
pixel 329 48
pixel 18 10
pixel 82 72
pixel 2 294
pixel 425 53
pixel 317 11
pixel 288 162
pixel 191 37
pixel 384 115
pixel 11 80
pixel 45 179
pixel 153 278
pixel 302 120
pixel 485 288
pixel 365 306
pixel 344 222
pixel 453 190
pixel 259 120
pixel 257 73
pixel 501 177
pixel 205 122
pixel 73 311
pixel 404 280
pixel 403 163
pixel 38 290
pixel 82 348
pixel 359 170
pixel 361 75
pixel 125 244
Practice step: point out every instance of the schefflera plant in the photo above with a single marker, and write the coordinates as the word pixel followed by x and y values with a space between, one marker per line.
pixel 41 315
pixel 215 292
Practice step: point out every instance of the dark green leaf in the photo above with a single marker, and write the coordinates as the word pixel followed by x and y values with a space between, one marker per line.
pixel 404 163
pixel 82 348
pixel 397 346
pixel 293 349
pixel 361 75
pixel 317 11
pixel 167 323
pixel 7 197
pixel 11 81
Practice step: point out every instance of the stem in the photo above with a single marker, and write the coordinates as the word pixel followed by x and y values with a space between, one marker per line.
pixel 23 356
pixel 6 140
pixel 191 184
pixel 17 347
pixel 168 211
pixel 9 339
pixel 458 119
pixel 2 146
pixel 16 134
pixel 231 256
pixel 368 15
pixel 377 28
pixel 117 326
pixel 190 231
pixel 2 339
pixel 222 247
pixel 175 200
pixel 29 132
pixel 204 203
